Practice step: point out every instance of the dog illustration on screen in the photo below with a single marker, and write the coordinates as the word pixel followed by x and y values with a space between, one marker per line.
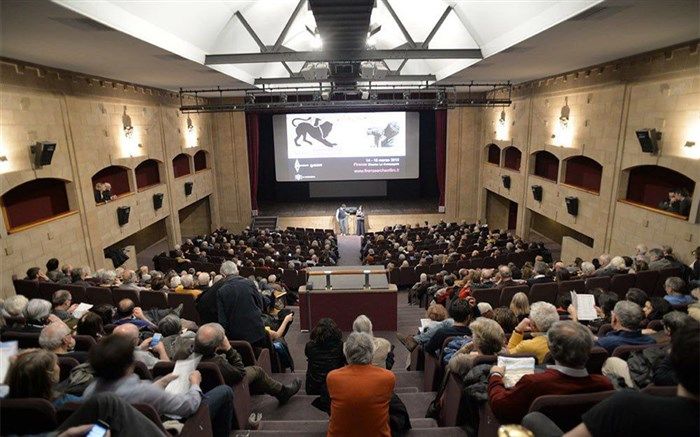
pixel 318 131
pixel 384 137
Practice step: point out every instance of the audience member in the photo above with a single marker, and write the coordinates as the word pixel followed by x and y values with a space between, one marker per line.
pixel 462 311
pixel 520 305
pixel 674 287
pixel 91 324
pixel 488 338
pixel 58 338
pixel 542 316
pixel 63 305
pixel 626 319
pixel 142 351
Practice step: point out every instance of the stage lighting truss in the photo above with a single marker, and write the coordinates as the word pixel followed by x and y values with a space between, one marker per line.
pixel 331 96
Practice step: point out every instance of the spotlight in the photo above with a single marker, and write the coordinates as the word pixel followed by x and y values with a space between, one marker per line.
pixel 687 144
pixel 317 42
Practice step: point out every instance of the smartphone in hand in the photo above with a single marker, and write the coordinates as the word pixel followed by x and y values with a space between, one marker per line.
pixel 155 340
pixel 99 429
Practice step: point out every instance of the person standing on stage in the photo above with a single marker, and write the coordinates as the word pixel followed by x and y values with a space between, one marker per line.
pixel 360 221
pixel 342 216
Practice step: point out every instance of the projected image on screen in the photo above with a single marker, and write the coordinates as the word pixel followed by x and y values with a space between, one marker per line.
pixel 346 135
pixel 346 146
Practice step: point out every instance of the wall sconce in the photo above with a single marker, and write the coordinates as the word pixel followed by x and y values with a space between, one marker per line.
pixel 126 121
pixel 687 144
pixel 190 126
pixel 502 120
pixel 564 115
pixel 3 158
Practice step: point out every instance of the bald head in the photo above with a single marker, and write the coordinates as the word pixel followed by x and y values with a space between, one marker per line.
pixel 128 330
pixel 125 308
pixel 209 338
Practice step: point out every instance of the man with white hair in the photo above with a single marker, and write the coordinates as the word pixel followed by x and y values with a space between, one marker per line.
pixel 616 266
pixel 360 392
pixel 207 305
pixel 203 280
pixel 13 307
pixel 37 314
pixel 382 347
pixel 58 338
pixel 415 294
pixel 542 316
pixel 130 281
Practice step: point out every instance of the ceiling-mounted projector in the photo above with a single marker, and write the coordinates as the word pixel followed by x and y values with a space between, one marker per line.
pixel 316 71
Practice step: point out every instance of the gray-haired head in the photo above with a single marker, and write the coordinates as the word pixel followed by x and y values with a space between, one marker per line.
pixel 570 343
pixel 51 337
pixel 543 315
pixel 14 306
pixel 655 254
pixel 674 284
pixel 362 324
pixel 209 337
pixel 228 268
pixel 541 268
pixel 504 272
pixel 675 320
pixel 358 348
pixel 629 314
pixel 37 309
pixel 170 325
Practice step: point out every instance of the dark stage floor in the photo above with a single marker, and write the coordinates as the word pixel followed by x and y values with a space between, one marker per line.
pixel 316 207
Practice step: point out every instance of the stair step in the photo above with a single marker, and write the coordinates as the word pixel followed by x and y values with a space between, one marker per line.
pixel 404 378
pixel 397 390
pixel 322 425
pixel 299 406
pixel 415 432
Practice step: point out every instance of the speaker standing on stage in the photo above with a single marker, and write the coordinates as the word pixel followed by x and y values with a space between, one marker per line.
pixel 342 216
pixel 360 222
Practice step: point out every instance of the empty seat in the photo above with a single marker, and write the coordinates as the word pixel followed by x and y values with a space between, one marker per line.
pixel 98 296
pixel 619 284
pixel 47 289
pixel 29 289
pixel 125 293
pixel 154 299
pixel 566 410
pixel 565 287
pixel 544 292
pixel 189 310
pixel 598 282
pixel 27 416
pixel 646 280
pixel 489 295
pixel 407 276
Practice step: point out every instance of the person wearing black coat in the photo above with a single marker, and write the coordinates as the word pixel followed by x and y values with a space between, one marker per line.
pixel 239 305
pixel 324 352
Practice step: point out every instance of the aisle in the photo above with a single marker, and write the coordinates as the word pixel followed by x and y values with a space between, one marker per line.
pixel 349 249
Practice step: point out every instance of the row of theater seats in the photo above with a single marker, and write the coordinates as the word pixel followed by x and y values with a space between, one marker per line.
pixel 146 299
pixel 652 282
pixel 406 276
pixel 565 410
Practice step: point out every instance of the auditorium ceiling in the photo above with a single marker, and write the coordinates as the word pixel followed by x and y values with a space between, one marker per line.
pixel 172 44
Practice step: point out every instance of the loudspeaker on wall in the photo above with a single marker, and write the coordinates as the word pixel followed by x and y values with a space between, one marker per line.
pixel 537 192
pixel 506 181
pixel 648 140
pixel 188 188
pixel 572 205
pixel 43 153
pixel 157 200
pixel 123 215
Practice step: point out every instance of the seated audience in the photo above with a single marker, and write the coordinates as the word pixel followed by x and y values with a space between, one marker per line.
pixel 626 319
pixel 383 355
pixel 488 338
pixel 91 324
pixel 542 316
pixel 506 319
pixel 142 351
pixel 657 261
pixel 53 272
pixel 13 310
pixel 540 270
pixel 360 392
pixel 462 311
pixel 37 314
pixel 211 343
pixel 34 373
pixel 178 342
pixel 570 344
pixel 63 305
pixel 112 360
pixel 674 292
pixel 642 415
pixel 129 313
pixel 58 338
pixel 324 352
pixel 520 305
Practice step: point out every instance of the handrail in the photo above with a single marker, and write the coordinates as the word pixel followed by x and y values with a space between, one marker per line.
pixel 346 272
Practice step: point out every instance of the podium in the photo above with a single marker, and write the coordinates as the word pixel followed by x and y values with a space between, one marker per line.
pixel 348 297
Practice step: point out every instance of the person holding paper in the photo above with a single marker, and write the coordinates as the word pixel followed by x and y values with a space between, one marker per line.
pixel 112 359
pixel 570 344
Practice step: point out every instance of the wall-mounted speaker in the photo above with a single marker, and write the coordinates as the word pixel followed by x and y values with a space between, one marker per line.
pixel 158 201
pixel 43 153
pixel 188 188
pixel 537 192
pixel 572 205
pixel 648 140
pixel 506 181
pixel 123 215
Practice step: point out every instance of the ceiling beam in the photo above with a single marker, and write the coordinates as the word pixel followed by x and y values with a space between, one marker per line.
pixel 436 27
pixel 400 24
pixel 388 78
pixel 250 30
pixel 341 55
pixel 285 31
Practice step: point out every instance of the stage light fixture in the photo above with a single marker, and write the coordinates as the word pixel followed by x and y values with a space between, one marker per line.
pixel 317 42
pixel 3 158
pixel 687 144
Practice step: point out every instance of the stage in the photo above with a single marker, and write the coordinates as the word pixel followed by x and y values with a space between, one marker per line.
pixel 348 298
pixel 321 207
